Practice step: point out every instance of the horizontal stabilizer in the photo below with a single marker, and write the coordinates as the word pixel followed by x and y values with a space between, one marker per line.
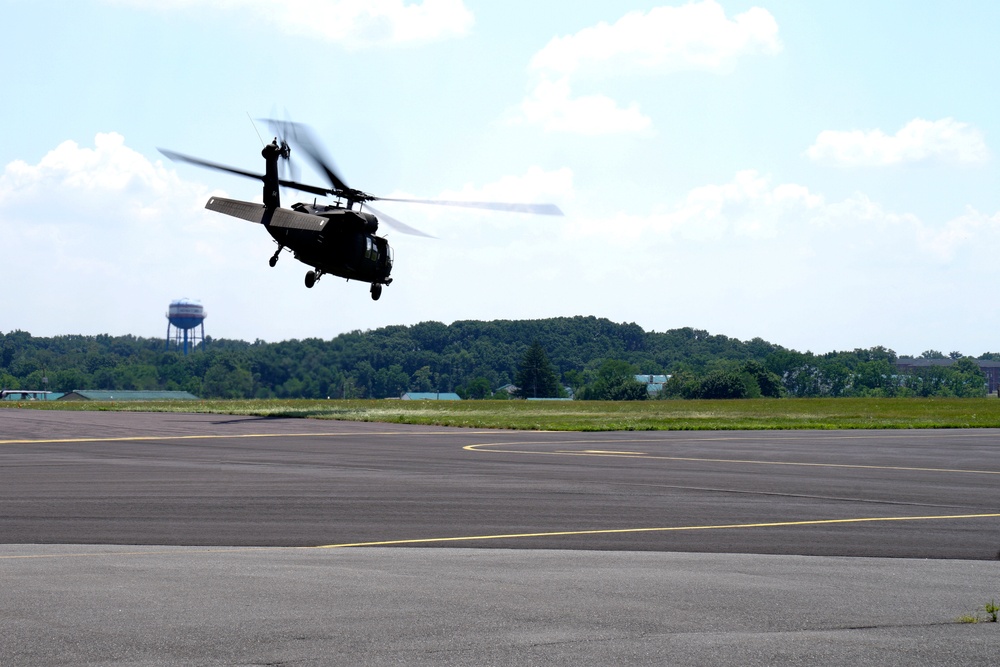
pixel 238 209
pixel 281 217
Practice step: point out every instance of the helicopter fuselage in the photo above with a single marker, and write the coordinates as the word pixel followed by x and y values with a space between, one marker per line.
pixel 347 246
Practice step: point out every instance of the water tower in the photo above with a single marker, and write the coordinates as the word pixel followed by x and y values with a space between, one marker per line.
pixel 184 315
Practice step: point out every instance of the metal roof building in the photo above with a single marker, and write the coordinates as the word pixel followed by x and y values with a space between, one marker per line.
pixel 989 368
pixel 430 396
pixel 29 395
pixel 654 383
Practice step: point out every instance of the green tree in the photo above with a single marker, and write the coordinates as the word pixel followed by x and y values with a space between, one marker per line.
pixel 616 382
pixel 535 377
pixel 723 384
pixel 626 389
pixel 876 378
pixel 8 381
pixel 422 380
pixel 478 389
pixel 575 379
pixel 683 383
pixel 968 379
pixel 226 379
pixel 70 379
pixel 392 381
pixel 769 383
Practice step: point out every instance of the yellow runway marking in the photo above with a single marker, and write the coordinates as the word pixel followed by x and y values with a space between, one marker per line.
pixel 233 436
pixel 618 531
pixel 488 447
pixel 182 551
pixel 177 551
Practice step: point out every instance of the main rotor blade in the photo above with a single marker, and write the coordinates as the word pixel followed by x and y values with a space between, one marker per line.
pixel 303 137
pixel 396 224
pixel 180 157
pixel 312 189
pixel 538 209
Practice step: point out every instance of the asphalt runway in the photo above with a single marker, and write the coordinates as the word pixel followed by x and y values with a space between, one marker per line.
pixel 208 480
pixel 154 539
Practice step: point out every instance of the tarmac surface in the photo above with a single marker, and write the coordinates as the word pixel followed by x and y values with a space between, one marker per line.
pixel 154 539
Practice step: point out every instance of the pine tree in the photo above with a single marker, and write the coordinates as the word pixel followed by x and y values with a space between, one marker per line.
pixel 535 377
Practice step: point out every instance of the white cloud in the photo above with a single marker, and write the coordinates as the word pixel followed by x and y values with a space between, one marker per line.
pixel 537 185
pixel 692 36
pixel 551 106
pixel 86 178
pixel 787 225
pixel 695 36
pixel 754 257
pixel 108 238
pixel 356 24
pixel 959 234
pixel 747 257
pixel 945 139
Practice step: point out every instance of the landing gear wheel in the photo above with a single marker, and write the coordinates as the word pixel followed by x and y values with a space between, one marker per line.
pixel 310 278
pixel 274 257
pixel 376 291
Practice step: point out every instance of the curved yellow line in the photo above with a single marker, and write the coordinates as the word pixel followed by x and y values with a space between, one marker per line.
pixel 469 538
pixel 613 531
pixel 695 459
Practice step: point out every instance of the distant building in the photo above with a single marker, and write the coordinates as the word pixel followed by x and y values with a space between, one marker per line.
pixel 990 368
pixel 430 396
pixel 125 395
pixel 28 395
pixel 654 383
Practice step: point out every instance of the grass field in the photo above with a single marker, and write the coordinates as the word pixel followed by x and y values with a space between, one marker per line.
pixel 819 413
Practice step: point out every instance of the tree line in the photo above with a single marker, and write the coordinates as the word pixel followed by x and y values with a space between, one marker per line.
pixel 586 357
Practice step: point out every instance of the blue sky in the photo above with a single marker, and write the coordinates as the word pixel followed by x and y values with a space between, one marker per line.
pixel 821 175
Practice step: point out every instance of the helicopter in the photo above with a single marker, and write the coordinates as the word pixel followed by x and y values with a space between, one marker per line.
pixel 338 238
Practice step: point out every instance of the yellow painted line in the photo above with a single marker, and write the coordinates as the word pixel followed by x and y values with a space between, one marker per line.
pixel 178 551
pixel 604 451
pixel 696 459
pixel 142 438
pixel 183 551
pixel 619 531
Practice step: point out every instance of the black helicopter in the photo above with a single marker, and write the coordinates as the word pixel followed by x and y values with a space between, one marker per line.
pixel 337 238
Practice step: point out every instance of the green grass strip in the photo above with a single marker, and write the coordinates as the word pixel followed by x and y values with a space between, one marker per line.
pixel 756 414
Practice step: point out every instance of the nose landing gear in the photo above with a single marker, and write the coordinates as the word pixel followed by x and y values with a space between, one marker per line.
pixel 376 291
